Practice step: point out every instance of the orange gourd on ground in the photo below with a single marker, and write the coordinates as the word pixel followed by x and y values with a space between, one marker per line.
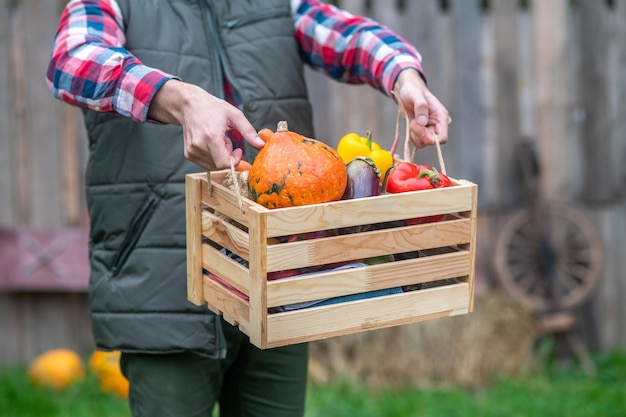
pixel 293 170
pixel 106 366
pixel 57 369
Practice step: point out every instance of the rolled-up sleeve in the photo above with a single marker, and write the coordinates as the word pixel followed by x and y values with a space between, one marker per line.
pixel 90 68
pixel 349 48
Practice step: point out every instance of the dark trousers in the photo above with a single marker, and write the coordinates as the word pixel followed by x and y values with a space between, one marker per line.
pixel 249 382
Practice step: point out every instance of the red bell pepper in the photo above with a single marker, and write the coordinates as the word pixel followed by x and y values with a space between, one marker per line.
pixel 407 176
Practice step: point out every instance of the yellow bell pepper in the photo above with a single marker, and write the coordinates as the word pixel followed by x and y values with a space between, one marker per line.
pixel 353 145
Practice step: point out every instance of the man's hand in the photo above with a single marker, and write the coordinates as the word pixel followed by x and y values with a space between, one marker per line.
pixel 426 114
pixel 205 120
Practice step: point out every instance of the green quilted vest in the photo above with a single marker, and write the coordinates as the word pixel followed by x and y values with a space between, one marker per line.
pixel 135 173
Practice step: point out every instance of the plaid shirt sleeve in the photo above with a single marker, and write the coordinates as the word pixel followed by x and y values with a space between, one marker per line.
pixel 350 48
pixel 90 68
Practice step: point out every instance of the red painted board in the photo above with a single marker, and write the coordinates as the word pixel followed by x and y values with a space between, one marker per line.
pixel 44 259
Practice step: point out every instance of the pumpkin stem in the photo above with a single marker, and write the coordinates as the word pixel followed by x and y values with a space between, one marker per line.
pixel 282 126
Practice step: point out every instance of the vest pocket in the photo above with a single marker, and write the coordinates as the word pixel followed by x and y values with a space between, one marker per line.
pixel 134 233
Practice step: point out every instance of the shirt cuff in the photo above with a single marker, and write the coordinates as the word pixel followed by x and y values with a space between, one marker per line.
pixel 137 90
pixel 395 66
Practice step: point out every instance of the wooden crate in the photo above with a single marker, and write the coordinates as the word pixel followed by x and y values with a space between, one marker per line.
pixel 437 284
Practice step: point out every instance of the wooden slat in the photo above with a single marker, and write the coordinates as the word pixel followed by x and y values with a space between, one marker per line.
pixel 236 309
pixel 374 277
pixel 326 321
pixel 372 210
pixel 223 200
pixel 227 269
pixel 366 245
pixel 225 234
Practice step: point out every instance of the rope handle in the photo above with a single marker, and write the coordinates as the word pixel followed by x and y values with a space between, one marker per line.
pixel 408 155
pixel 233 173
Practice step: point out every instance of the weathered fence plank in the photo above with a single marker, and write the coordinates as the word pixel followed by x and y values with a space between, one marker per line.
pixel 507 112
pixel 429 30
pixel 595 90
pixel 608 302
pixel 617 91
pixel 44 192
pixel 468 126
pixel 6 150
pixel 71 146
pixel 20 134
pixel 52 320
pixel 552 93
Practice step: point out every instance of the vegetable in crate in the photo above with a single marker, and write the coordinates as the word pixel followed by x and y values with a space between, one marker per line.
pixel 293 170
pixel 363 181
pixel 363 178
pixel 352 145
pixel 407 176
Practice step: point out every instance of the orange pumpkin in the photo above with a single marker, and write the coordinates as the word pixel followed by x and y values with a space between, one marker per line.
pixel 57 369
pixel 293 170
pixel 115 383
pixel 106 366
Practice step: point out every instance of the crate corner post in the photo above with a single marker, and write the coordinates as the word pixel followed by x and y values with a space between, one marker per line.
pixel 258 278
pixel 472 246
pixel 193 207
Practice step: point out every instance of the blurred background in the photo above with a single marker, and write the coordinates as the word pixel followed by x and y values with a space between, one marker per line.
pixel 537 93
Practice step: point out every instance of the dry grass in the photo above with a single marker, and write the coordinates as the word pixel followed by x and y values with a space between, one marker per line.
pixel 495 340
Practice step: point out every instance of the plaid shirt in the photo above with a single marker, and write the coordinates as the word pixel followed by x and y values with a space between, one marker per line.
pixel 91 68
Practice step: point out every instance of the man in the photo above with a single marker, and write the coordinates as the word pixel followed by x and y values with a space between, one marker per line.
pixel 173 87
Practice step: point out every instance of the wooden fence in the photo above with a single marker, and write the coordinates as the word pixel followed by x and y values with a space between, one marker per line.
pixel 552 74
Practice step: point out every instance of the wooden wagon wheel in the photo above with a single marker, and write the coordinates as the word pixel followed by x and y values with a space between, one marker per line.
pixel 549 256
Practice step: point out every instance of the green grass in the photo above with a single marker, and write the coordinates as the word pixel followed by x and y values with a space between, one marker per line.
pixel 553 392
pixel 18 398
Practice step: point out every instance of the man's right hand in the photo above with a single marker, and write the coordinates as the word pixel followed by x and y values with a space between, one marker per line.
pixel 205 120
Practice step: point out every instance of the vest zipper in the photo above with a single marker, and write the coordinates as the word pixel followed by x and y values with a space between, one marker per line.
pixel 218 82
pixel 266 14
pixel 223 68
pixel 132 237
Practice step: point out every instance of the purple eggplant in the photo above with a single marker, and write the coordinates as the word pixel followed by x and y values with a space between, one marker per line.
pixel 363 178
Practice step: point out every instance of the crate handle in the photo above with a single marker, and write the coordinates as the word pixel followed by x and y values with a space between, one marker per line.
pixel 442 165
pixel 408 155
pixel 233 173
